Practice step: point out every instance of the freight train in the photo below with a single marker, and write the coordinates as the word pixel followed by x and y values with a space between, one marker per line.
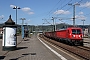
pixel 71 35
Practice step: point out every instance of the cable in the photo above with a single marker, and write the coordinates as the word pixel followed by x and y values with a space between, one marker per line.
pixel 54 7
pixel 65 4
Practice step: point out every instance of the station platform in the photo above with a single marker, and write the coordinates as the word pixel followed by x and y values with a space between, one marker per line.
pixel 28 49
pixel 87 42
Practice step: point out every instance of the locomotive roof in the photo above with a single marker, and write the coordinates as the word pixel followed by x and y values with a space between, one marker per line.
pixel 66 29
pixel 73 28
pixel 69 28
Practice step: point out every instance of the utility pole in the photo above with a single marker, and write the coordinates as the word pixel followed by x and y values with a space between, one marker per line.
pixel 83 24
pixel 53 24
pixel 22 20
pixel 74 12
pixel 48 22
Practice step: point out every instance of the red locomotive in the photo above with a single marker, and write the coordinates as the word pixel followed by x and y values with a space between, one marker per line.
pixel 71 35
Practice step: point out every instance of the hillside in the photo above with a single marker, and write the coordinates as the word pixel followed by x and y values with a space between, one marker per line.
pixel 48 27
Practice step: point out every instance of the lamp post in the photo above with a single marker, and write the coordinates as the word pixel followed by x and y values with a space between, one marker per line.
pixel 16 20
pixel 16 12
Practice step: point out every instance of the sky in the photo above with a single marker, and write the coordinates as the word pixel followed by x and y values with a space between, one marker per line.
pixel 40 12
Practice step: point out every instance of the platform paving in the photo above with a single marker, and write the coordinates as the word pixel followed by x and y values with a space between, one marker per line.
pixel 87 42
pixel 28 49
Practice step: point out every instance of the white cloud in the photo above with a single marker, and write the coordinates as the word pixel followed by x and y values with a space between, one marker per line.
pixel 81 17
pixel 26 9
pixel 12 6
pixel 61 12
pixel 80 13
pixel 87 4
pixel 30 13
pixel 2 16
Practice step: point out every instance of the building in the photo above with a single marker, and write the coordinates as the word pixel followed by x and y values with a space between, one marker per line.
pixel 86 32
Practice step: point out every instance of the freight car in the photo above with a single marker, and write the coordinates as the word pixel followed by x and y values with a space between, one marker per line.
pixel 71 35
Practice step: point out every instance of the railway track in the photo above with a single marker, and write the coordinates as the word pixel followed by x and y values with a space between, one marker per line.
pixel 80 51
pixel 84 48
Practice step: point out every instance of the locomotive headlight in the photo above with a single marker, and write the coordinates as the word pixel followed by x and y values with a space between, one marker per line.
pixel 69 34
pixel 73 35
pixel 79 35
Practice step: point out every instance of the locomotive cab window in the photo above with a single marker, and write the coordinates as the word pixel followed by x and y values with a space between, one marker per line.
pixel 76 31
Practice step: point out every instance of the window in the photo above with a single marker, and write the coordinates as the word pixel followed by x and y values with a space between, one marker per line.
pixel 76 31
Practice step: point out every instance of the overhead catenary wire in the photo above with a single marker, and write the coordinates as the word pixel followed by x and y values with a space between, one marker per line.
pixel 66 5
pixel 80 9
pixel 70 7
pixel 61 8
pixel 47 13
pixel 50 12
